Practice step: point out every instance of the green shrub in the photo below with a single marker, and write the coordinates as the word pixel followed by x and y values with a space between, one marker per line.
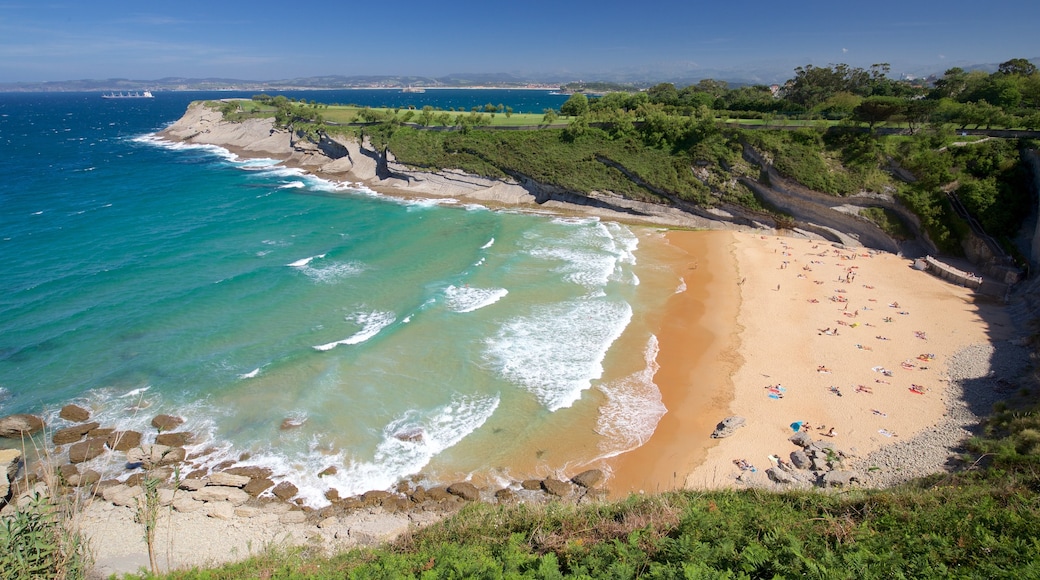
pixel 36 544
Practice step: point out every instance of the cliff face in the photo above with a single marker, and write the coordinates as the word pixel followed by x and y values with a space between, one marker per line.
pixel 343 159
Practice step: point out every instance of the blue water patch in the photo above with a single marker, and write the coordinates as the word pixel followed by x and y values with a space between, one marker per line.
pixel 145 277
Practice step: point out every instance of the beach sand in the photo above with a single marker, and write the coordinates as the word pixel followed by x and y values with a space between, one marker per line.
pixel 780 330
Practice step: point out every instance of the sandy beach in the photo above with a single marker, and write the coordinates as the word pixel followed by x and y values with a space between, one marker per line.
pixel 798 331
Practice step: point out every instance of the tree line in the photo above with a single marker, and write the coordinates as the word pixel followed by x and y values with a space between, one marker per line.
pixel 1006 98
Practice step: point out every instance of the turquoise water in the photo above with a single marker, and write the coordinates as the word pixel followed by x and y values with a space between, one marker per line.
pixel 398 338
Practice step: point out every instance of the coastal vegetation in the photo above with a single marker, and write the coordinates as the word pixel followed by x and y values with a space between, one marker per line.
pixel 836 130
pixel 979 522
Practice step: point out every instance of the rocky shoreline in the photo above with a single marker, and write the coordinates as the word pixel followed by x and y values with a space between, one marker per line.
pixel 236 507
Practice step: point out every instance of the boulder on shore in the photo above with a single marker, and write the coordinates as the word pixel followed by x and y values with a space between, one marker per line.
pixel 285 491
pixel 465 490
pixel 14 426
pixel 86 450
pixel 74 413
pixel 123 440
pixel 728 426
pixel 589 478
pixel 153 455
pixel 177 439
pixel 556 487
pixel 166 422
pixel 73 434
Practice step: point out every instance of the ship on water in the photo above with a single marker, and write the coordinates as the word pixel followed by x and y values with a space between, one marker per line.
pixel 144 95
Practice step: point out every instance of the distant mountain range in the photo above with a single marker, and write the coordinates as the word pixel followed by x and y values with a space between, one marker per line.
pixel 636 78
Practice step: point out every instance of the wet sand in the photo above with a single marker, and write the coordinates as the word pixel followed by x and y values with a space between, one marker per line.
pixel 697 358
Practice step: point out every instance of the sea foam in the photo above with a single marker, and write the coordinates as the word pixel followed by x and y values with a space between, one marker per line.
pixel 633 408
pixel 467 299
pixel 557 350
pixel 371 324
pixel 409 441
pixel 326 271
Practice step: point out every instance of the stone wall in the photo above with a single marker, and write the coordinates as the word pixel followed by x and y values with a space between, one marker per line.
pixel 948 273
pixel 1032 159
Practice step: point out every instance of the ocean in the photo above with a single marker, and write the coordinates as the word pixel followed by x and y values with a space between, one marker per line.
pixel 301 324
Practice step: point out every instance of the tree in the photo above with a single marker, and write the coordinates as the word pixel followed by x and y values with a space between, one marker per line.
pixel 577 104
pixel 426 116
pixel 549 116
pixel 874 110
pixel 1017 66
pixel 918 112
pixel 663 94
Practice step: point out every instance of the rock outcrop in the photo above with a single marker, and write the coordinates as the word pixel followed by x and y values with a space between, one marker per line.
pixel 728 426
pixel 10 463
pixel 74 413
pixel 14 426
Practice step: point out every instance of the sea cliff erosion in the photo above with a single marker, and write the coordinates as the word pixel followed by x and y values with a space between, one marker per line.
pixel 353 161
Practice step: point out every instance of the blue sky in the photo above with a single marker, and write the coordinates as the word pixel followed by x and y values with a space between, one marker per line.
pixel 263 40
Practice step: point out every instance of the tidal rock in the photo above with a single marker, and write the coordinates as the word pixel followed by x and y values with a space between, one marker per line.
pixel 465 490
pixel 285 491
pixel 291 423
pixel 178 439
pixel 74 413
pixel 505 495
pixel 14 426
pixel 257 485
pixel 73 434
pixel 166 422
pixel 330 470
pixel 152 455
pixel 375 496
pixel 531 484
pixel 123 440
pixel 439 494
pixel 86 450
pixel 10 463
pixel 590 478
pixel 250 471
pixel 418 495
pixel 409 436
pixel 728 426
pixel 556 487
pixel 100 432
pixel 227 479
pixel 332 494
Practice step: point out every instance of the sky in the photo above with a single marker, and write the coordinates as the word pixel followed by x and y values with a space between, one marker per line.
pixel 264 40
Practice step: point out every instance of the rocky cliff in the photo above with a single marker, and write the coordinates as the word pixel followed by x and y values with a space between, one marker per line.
pixel 342 159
